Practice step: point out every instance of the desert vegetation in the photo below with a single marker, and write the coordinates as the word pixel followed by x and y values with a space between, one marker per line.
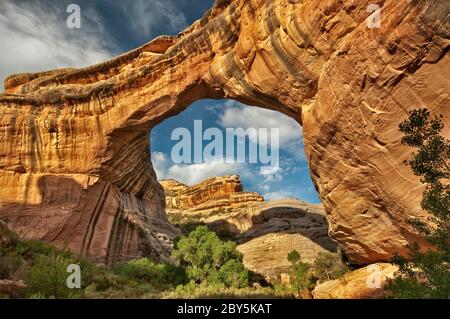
pixel 204 267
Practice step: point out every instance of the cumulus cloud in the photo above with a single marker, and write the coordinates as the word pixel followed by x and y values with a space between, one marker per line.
pixel 237 115
pixel 35 38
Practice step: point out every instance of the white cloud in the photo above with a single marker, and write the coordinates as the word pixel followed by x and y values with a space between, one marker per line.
pixel 191 174
pixel 237 115
pixel 269 170
pixel 195 173
pixel 148 15
pixel 35 37
pixel 278 195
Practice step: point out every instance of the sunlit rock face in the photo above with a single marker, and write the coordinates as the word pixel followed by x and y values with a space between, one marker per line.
pixel 266 232
pixel 75 166
pixel 365 283
pixel 218 192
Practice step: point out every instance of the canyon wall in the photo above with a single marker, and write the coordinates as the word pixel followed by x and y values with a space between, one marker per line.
pixel 75 165
pixel 265 231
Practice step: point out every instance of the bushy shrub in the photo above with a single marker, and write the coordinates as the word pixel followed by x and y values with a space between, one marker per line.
pixel 47 278
pixel 158 275
pixel 329 266
pixel 211 290
pixel 294 257
pixel 233 274
pixel 204 255
pixel 303 278
pixel 326 266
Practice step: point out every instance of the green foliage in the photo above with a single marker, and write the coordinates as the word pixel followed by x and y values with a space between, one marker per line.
pixel 233 274
pixel 326 266
pixel 329 266
pixel 158 275
pixel 303 278
pixel 216 290
pixel 207 258
pixel 47 278
pixel 423 276
pixel 294 257
pixel 427 274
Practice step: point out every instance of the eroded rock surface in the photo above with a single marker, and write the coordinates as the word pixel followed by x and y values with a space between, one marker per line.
pixel 12 288
pixel 279 227
pixel 210 195
pixel 74 143
pixel 266 231
pixel 365 283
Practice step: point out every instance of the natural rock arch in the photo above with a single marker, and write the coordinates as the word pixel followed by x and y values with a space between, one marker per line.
pixel 74 155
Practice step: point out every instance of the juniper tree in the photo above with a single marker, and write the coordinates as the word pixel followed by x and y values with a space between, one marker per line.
pixel 426 274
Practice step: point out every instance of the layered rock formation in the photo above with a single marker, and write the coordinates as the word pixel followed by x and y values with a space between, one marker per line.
pixel 365 283
pixel 265 231
pixel 209 195
pixel 74 147
pixel 279 227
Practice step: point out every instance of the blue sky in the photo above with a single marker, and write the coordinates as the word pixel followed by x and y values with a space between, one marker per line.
pixel 37 38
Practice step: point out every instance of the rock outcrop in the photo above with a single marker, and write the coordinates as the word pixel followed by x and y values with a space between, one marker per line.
pixel 74 143
pixel 265 231
pixel 12 288
pixel 279 227
pixel 6 236
pixel 365 283
pixel 209 195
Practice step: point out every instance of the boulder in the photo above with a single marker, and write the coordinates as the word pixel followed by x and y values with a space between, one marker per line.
pixel 365 283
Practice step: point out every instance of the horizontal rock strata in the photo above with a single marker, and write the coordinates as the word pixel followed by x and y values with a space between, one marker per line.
pixel 211 194
pixel 266 231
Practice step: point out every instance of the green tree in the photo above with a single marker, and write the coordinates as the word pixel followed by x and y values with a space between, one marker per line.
pixel 294 257
pixel 207 258
pixel 233 274
pixel 426 274
pixel 303 278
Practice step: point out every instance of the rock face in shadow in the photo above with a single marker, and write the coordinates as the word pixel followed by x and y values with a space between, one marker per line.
pixel 279 227
pixel 74 143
